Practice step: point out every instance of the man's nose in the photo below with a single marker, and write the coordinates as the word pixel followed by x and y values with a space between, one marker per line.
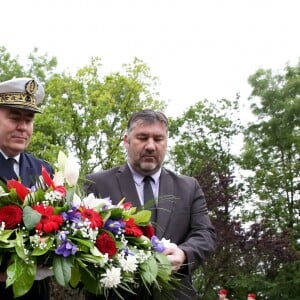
pixel 150 146
pixel 22 124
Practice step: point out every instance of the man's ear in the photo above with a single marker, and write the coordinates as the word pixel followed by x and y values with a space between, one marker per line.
pixel 126 141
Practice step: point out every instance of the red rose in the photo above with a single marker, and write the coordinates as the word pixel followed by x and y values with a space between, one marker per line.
pixel 106 244
pixel 49 221
pixel 21 189
pixel 132 229
pixel 92 216
pixel 11 215
pixel 148 231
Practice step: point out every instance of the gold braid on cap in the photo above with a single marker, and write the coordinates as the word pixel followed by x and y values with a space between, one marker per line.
pixel 19 98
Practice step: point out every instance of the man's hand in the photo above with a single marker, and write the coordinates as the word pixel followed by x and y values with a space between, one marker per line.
pixel 176 257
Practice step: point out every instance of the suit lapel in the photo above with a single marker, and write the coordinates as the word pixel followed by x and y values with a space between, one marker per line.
pixel 26 171
pixel 166 203
pixel 127 186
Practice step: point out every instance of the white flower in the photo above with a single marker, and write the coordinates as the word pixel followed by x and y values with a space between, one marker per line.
pixel 76 201
pixel 111 278
pixel 95 203
pixel 129 264
pixel 69 168
pixel 58 178
pixel 168 244
pixel 61 161
pixel 71 171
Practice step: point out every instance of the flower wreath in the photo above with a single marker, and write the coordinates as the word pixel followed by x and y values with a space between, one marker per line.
pixel 52 230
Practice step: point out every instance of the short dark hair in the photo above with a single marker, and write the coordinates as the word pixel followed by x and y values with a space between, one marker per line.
pixel 149 116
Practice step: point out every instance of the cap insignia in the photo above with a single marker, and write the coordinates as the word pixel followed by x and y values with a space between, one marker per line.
pixel 31 87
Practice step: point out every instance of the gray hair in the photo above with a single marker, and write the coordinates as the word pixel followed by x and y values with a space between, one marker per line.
pixel 148 116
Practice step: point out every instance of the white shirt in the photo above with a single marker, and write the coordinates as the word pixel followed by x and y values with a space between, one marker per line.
pixel 139 183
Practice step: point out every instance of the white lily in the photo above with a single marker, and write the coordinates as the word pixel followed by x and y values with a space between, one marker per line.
pixel 95 203
pixel 76 201
pixel 58 178
pixel 71 171
pixel 61 161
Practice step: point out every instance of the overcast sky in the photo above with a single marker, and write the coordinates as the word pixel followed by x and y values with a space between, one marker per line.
pixel 199 49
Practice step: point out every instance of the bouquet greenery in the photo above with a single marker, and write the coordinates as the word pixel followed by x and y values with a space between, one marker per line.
pixel 52 230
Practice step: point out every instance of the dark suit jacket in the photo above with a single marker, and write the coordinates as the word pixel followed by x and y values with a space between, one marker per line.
pixel 30 168
pixel 181 212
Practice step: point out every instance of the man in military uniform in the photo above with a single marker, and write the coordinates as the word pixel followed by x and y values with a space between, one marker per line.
pixel 19 99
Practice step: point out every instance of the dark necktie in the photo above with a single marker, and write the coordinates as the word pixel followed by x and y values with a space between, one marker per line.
pixel 11 161
pixel 149 196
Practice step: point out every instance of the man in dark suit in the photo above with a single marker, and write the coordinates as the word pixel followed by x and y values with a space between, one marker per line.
pixel 19 98
pixel 180 209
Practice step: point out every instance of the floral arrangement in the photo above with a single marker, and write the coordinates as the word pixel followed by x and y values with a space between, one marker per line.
pixel 52 230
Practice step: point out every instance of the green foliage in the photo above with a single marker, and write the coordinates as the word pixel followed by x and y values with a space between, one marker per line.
pixel 203 138
pixel 271 152
pixel 205 133
pixel 272 146
pixel 38 66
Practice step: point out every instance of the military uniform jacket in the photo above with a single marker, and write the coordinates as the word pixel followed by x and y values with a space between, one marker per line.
pixel 30 167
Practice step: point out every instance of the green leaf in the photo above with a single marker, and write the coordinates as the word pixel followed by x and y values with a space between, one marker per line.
pixel 89 281
pixel 75 276
pixel 116 213
pixel 87 243
pixel 165 269
pixel 149 270
pixel 5 242
pixel 90 258
pixel 20 275
pixel 20 246
pixel 142 217
pixel 30 217
pixel 62 269
pixel 5 235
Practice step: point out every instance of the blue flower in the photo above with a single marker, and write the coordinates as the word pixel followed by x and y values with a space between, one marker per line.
pixel 158 246
pixel 72 215
pixel 113 226
pixel 66 248
pixel 62 235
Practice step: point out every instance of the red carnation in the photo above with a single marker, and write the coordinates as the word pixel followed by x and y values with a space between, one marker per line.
pixel 132 229
pixel 106 244
pixel 127 205
pixel 92 216
pixel 148 231
pixel 11 215
pixel 21 189
pixel 49 221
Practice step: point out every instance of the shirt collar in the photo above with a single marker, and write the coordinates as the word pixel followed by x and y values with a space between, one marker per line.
pixel 138 178
pixel 17 157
